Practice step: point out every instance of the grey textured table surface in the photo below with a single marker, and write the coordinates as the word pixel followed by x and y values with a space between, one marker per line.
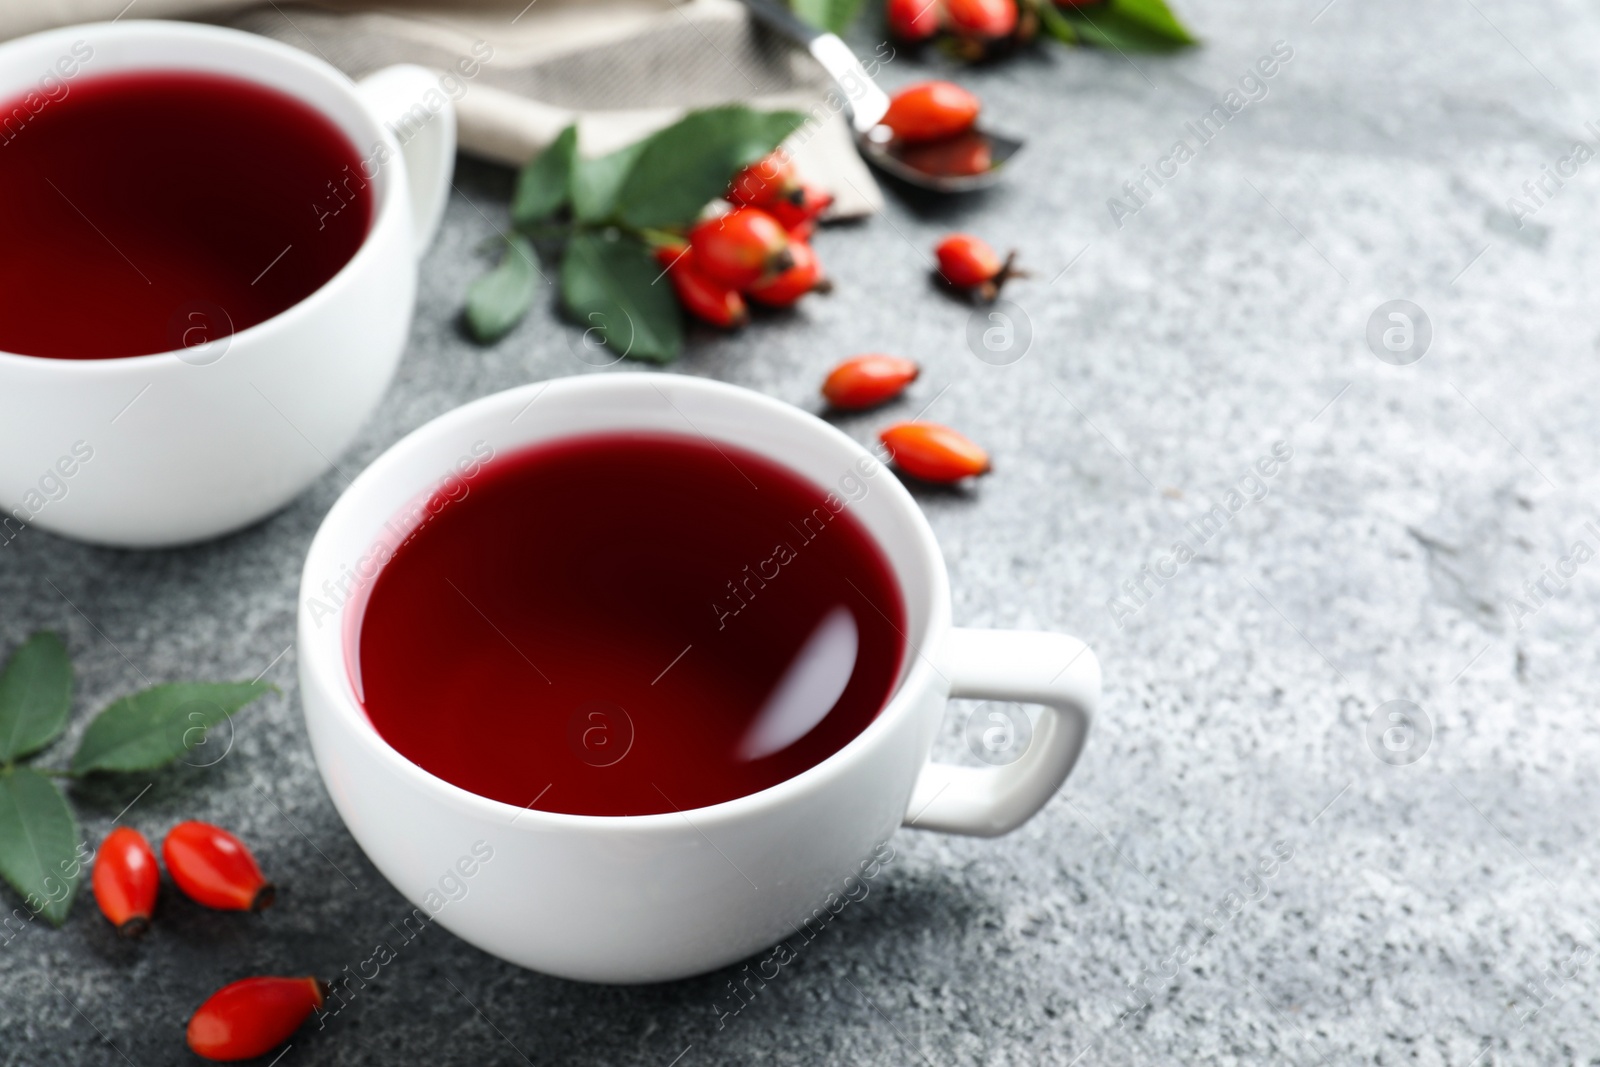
pixel 1438 911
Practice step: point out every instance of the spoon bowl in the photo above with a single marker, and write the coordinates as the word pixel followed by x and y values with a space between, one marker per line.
pixel 931 166
pixel 918 165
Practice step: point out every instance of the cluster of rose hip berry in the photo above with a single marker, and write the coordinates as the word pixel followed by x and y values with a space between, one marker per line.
pixel 975 28
pixel 759 248
pixel 924 450
pixel 212 867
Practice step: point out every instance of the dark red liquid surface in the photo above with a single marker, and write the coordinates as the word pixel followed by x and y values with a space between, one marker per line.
pixel 145 212
pixel 629 624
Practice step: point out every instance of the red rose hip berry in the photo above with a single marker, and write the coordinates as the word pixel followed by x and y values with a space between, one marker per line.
pixel 765 183
pixel 253 1016
pixel 984 19
pixel 800 214
pixel 933 452
pixel 868 380
pixel 741 247
pixel 928 111
pixel 700 294
pixel 787 288
pixel 214 868
pixel 126 880
pixel 967 262
pixel 913 20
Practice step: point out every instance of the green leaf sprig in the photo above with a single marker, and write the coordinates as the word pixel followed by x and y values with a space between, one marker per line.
pixel 602 218
pixel 41 855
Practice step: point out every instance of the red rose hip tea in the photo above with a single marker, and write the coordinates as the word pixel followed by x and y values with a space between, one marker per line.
pixel 151 211
pixel 629 623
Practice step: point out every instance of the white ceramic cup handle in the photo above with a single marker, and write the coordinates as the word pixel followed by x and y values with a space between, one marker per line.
pixel 1057 671
pixel 408 100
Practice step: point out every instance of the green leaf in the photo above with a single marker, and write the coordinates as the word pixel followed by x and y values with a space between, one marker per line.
pixel 1131 25
pixel 38 843
pixel 157 725
pixel 1156 16
pixel 497 301
pixel 612 286
pixel 545 184
pixel 35 696
pixel 596 182
pixel 687 165
pixel 835 16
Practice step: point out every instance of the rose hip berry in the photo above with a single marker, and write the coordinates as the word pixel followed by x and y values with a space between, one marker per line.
pixel 700 294
pixel 868 380
pixel 913 20
pixel 125 880
pixel 214 868
pixel 799 215
pixel 933 452
pixel 928 111
pixel 741 247
pixel 253 1016
pixel 765 183
pixel 985 19
pixel 787 288
pixel 967 262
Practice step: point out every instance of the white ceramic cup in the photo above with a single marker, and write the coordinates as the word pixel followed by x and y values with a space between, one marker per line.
pixel 653 897
pixel 180 446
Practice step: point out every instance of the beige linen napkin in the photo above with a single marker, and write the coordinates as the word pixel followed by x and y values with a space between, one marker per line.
pixel 619 68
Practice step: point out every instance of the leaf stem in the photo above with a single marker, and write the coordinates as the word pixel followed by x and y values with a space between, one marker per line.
pixel 652 236
pixel 51 772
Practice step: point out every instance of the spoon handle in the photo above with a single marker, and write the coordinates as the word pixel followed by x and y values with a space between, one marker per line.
pixel 867 102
